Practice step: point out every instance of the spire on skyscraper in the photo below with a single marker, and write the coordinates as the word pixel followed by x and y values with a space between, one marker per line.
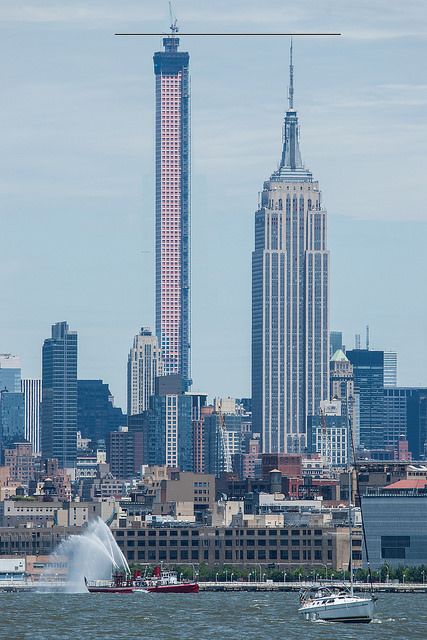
pixel 291 163
pixel 291 79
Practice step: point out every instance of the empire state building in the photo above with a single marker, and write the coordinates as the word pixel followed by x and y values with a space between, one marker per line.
pixel 290 327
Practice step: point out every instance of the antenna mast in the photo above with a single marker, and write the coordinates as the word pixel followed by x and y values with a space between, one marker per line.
pixel 291 78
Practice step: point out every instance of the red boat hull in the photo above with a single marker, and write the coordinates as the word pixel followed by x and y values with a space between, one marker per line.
pixel 186 587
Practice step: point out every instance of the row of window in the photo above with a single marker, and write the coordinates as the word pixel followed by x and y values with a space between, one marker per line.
pixel 172 554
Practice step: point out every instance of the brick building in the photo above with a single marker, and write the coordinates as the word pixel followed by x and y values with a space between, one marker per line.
pixel 296 546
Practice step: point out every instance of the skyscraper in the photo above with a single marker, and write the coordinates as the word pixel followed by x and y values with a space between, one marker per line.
pixel 390 369
pixel 11 419
pixel 145 364
pixel 368 371
pixel 32 390
pixel 96 414
pixel 59 395
pixel 290 329
pixel 335 339
pixel 342 388
pixel 169 425
pixel 10 373
pixel 405 410
pixel 171 68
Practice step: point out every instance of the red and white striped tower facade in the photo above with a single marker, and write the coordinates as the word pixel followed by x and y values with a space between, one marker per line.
pixel 173 208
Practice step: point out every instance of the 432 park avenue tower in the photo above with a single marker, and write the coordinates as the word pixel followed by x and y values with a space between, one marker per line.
pixel 171 68
pixel 290 333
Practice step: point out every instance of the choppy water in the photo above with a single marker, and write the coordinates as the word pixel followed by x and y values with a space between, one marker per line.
pixel 203 616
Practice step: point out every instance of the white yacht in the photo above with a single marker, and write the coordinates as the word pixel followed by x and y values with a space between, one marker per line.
pixel 340 605
pixel 336 605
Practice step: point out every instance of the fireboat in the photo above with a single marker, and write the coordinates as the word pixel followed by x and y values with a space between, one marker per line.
pixel 160 581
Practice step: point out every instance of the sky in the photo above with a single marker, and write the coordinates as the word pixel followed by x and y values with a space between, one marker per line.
pixel 77 172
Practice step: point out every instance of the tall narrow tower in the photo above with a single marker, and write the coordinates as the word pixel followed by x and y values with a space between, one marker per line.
pixel 59 396
pixel 290 264
pixel 171 68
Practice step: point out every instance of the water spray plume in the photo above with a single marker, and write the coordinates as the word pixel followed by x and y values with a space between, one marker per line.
pixel 93 555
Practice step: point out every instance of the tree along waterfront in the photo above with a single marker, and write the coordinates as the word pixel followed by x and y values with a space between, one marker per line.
pixel 282 573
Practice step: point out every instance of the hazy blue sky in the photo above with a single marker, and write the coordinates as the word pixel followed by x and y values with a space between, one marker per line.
pixel 77 172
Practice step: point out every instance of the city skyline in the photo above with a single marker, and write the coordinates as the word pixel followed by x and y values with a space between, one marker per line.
pixel 233 133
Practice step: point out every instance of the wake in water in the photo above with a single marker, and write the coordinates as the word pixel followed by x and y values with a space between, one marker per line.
pixel 94 555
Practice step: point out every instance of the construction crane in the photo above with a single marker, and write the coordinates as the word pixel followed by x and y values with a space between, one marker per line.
pixel 173 26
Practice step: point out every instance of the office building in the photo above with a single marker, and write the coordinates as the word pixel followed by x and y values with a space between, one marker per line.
pixel 335 340
pixel 290 328
pixel 169 425
pixel 342 389
pixel 20 460
pixel 395 521
pixel 59 396
pixel 171 68
pixel 144 366
pixel 12 419
pixel 10 373
pixel 240 546
pixel 405 411
pixel 96 414
pixel 32 390
pixel 123 453
pixel 368 372
pixel 221 442
pixel 327 434
pixel 390 369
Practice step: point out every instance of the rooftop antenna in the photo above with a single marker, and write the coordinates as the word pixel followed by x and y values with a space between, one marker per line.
pixel 367 337
pixel 291 78
pixel 173 26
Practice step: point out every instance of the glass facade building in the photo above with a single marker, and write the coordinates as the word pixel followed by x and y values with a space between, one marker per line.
pixel 390 369
pixel 368 373
pixel 32 390
pixel 405 410
pixel 59 396
pixel 10 373
pixel 12 421
pixel 96 414
pixel 395 522
pixel 168 423
pixel 171 68
pixel 290 327
pixel 335 342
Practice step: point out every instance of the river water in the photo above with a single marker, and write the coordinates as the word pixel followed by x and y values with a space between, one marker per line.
pixel 203 616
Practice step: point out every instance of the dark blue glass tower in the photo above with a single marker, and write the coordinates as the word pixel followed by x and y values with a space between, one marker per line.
pixel 368 371
pixel 59 396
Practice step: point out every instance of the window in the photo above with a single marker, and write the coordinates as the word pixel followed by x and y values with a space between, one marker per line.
pixel 394 546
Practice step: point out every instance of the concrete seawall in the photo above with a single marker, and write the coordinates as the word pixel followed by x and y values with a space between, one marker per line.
pixel 29 585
